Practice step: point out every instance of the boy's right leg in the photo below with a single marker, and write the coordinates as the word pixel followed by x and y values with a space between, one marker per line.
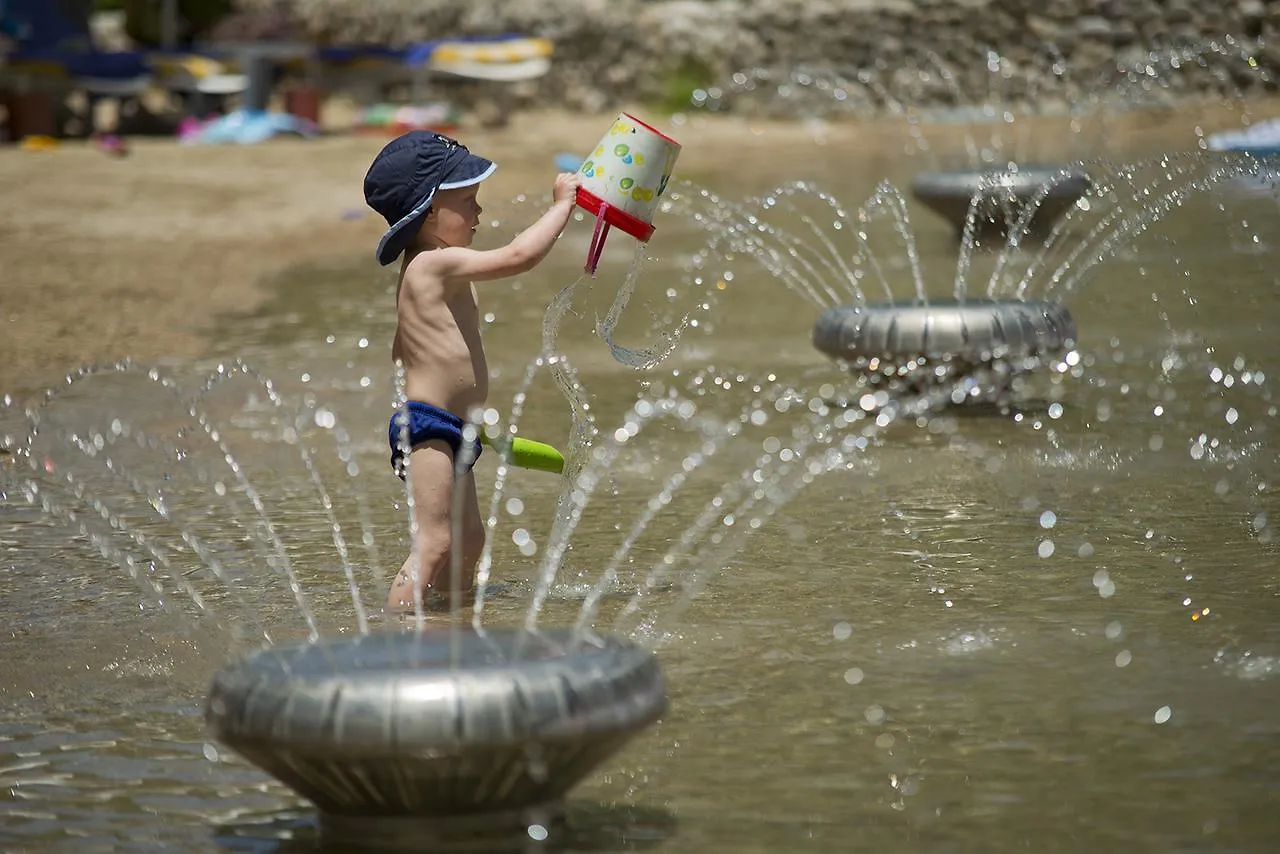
pixel 427 567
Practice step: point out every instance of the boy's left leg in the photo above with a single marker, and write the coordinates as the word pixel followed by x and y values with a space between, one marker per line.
pixel 440 534
pixel 425 570
pixel 472 532
pixel 455 570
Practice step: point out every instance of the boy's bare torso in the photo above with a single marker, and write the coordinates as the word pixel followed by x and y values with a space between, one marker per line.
pixel 438 340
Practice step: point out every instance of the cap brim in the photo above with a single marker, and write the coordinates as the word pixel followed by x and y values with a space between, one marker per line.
pixel 470 172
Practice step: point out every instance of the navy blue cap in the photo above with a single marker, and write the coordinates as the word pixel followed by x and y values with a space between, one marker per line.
pixel 404 179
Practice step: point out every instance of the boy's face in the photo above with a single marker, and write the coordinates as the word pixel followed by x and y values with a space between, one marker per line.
pixel 454 217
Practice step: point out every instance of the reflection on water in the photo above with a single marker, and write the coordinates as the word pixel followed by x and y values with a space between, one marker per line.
pixel 989 629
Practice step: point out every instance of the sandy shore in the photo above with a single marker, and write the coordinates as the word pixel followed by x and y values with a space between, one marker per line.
pixel 103 258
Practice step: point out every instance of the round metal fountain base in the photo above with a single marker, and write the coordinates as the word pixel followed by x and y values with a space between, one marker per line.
pixel 501 722
pixel 1002 195
pixel 917 344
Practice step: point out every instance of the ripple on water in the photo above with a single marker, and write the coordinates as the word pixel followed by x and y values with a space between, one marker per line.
pixel 72 778
pixel 1247 666
pixel 969 642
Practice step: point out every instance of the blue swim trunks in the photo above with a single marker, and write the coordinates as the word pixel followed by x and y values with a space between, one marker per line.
pixel 426 422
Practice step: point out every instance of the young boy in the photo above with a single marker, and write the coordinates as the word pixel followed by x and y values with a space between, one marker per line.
pixel 425 186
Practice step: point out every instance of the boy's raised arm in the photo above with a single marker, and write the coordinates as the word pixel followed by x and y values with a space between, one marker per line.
pixel 524 252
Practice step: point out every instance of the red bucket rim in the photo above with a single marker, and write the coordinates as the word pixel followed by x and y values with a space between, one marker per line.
pixel 615 216
pixel 650 127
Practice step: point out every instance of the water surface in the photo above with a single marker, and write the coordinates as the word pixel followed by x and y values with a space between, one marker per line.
pixel 1050 627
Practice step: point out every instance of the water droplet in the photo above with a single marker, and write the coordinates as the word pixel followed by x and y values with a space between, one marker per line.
pixel 210 752
pixel 874 714
pixel 1048 519
pixel 537 833
pixel 854 675
pixel 1123 657
pixel 842 631
pixel 1163 714
pixel 1045 549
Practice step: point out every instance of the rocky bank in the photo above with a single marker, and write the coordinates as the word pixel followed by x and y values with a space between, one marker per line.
pixel 852 54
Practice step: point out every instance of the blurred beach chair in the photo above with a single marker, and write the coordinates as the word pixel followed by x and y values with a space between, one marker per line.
pixel 203 83
pixel 507 58
pixel 383 78
pixel 263 64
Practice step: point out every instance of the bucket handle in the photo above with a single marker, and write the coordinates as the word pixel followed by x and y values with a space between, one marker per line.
pixel 597 241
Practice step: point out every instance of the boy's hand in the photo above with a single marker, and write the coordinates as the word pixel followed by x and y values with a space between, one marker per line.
pixel 566 186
